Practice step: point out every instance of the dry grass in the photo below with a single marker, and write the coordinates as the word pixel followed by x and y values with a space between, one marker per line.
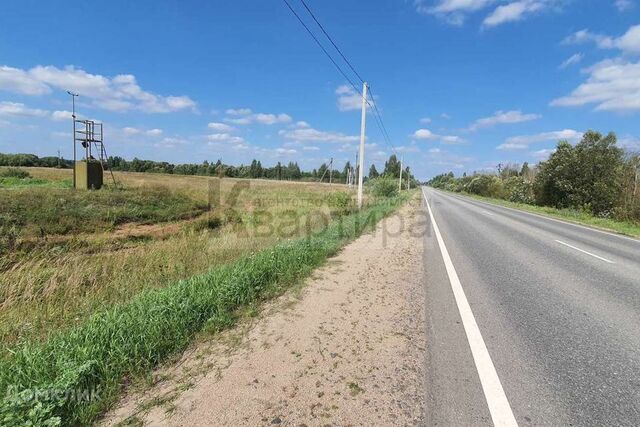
pixel 64 279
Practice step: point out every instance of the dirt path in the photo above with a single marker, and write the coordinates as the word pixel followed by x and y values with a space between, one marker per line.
pixel 348 349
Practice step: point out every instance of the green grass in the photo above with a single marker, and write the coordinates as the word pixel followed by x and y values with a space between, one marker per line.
pixel 626 228
pixel 37 211
pixel 14 182
pixel 131 338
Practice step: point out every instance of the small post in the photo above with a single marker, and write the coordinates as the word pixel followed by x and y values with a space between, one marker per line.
pixel 330 171
pixel 73 117
pixel 400 180
pixel 363 120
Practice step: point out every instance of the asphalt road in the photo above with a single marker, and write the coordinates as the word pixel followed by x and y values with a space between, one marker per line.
pixel 552 325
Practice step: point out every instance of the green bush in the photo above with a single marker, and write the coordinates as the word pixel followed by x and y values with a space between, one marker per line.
pixel 519 190
pixel 14 173
pixel 340 202
pixel 384 186
pixel 587 176
pixel 486 186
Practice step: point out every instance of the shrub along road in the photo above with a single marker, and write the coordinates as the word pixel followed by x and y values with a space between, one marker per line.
pixel 551 331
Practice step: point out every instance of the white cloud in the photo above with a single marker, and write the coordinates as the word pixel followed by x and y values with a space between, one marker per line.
pixel 170 142
pixel 543 154
pixel 425 120
pixel 19 109
pixel 309 134
pixel 408 148
pixel 522 142
pixel 503 117
pixel 270 119
pixel 630 143
pixel 61 115
pixel 238 112
pixel 244 116
pixel 225 137
pixel 445 116
pixel 573 59
pixel 455 12
pixel 131 131
pixel 285 151
pixel 349 99
pixel 628 43
pixel 448 160
pixel 20 81
pixel 514 11
pixel 623 5
pixel 613 85
pixel 424 134
pixel 154 132
pixel 310 148
pixel 452 11
pixel 120 93
pixel 240 121
pixel 427 135
pixel 220 127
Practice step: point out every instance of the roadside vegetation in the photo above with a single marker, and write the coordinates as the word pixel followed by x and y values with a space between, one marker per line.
pixel 108 296
pixel 594 182
pixel 255 170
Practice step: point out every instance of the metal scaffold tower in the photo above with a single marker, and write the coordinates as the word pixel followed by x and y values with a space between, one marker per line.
pixel 90 136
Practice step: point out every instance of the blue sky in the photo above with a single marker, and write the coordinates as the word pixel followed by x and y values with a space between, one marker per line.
pixel 462 84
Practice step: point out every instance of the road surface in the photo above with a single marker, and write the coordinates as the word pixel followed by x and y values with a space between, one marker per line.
pixel 533 321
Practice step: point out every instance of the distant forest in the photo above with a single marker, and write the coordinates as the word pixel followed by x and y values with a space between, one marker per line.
pixel 290 171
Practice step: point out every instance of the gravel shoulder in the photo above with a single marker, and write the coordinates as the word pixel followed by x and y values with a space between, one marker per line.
pixel 346 348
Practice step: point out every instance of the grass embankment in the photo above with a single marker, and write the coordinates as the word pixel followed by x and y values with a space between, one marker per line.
pixel 50 281
pixel 627 228
pixel 131 338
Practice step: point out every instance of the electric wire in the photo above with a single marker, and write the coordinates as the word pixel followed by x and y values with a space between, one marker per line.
pixel 378 117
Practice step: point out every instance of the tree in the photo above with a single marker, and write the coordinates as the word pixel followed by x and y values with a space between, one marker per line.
pixel 392 167
pixel 373 172
pixel 587 176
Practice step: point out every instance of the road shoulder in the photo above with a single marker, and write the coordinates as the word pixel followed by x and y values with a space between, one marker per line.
pixel 347 349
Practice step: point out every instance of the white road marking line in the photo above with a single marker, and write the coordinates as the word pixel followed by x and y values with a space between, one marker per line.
pixel 585 252
pixel 499 408
pixel 487 213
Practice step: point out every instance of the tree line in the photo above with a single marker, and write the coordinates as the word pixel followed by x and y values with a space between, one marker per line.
pixel 595 175
pixel 255 170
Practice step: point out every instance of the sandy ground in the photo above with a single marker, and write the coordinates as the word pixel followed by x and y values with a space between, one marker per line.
pixel 347 349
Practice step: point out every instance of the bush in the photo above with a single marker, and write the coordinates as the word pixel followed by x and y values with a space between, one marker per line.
pixel 340 203
pixel 384 186
pixel 519 190
pixel 14 173
pixel 587 176
pixel 486 186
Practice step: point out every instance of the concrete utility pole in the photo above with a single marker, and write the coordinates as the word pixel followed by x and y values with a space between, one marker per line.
pixel 361 154
pixel 400 180
pixel 330 170
pixel 635 182
pixel 73 117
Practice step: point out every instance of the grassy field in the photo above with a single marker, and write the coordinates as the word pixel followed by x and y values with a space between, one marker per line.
pixel 110 295
pixel 65 255
pixel 626 228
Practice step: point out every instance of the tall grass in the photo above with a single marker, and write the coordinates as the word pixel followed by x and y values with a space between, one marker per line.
pixel 78 372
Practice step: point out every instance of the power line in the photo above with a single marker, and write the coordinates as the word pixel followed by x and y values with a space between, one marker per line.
pixel 331 40
pixel 321 46
pixel 376 111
